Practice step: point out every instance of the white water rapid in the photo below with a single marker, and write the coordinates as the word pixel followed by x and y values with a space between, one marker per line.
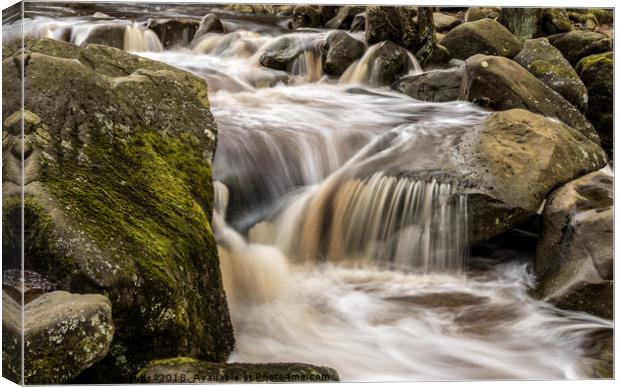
pixel 331 253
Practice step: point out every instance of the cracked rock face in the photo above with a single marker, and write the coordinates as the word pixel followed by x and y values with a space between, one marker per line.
pixel 64 334
pixel 117 154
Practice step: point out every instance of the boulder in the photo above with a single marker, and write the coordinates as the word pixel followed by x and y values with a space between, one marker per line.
pixel 174 32
pixel 281 53
pixel 546 63
pixel 574 256
pixel 64 334
pixel 112 35
pixel 575 45
pixel 432 86
pixel 188 370
pixel 344 17
pixel 444 22
pixel 305 16
pixel 501 84
pixel 477 13
pixel 12 338
pixel 326 13
pixel 34 284
pixel 440 56
pixel 524 23
pixel 392 60
pixel 339 51
pixel 359 22
pixel 118 195
pixel 209 23
pixel 394 24
pixel 597 73
pixel 555 21
pixel 484 36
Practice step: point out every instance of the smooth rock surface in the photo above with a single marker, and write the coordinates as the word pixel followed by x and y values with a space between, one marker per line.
pixel 339 51
pixel 485 36
pixel 432 86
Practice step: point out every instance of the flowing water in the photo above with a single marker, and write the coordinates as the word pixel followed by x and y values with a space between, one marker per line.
pixel 332 252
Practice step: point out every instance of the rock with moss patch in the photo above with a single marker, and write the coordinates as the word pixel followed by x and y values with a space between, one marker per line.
pixel 174 32
pixel 546 63
pixel 500 84
pixel 555 21
pixel 574 256
pixel 118 195
pixel 597 73
pixel 64 334
pixel 188 370
pixel 339 51
pixel 394 24
pixel 484 36
pixel 575 45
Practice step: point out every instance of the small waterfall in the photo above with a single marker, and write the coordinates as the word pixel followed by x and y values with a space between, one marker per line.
pixel 310 63
pixel 141 39
pixel 405 223
pixel 367 70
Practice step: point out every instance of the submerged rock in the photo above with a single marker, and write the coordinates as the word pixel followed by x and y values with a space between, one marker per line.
pixel 546 63
pixel 279 54
pixel 597 72
pixel 574 256
pixel 484 36
pixel 209 23
pixel 432 86
pixel 118 195
pixel 190 370
pixel 339 51
pixel 501 84
pixel 174 32
pixel 575 45
pixel 64 334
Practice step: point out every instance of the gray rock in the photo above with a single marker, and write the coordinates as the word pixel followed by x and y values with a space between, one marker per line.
pixel 501 84
pixel 208 24
pixel 546 63
pixel 174 32
pixel 574 256
pixel 64 334
pixel 195 371
pixel 305 16
pixel 575 45
pixel 432 86
pixel 339 51
pixel 444 22
pixel 484 36
pixel 280 53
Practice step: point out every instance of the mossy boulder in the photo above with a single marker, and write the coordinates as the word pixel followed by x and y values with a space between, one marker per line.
pixel 339 51
pixel 188 370
pixel 174 32
pixel 546 63
pixel 501 84
pixel 555 21
pixel 394 24
pixel 597 73
pixel 575 45
pixel 118 195
pixel 65 334
pixel 485 36
pixel 574 256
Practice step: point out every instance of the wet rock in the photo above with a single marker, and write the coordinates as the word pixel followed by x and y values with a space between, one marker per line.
pixel 574 256
pixel 524 23
pixel 575 45
pixel 280 53
pixel 112 35
pixel 596 72
pixel 195 371
pixel 174 32
pixel 339 51
pixel 484 36
pixel 501 84
pixel 546 63
pixel 514 159
pixel 432 86
pixel 394 24
pixel 64 334
pixel 326 13
pixel 444 22
pixel 306 16
pixel 118 196
pixel 209 23
pixel 359 22
pixel 477 13
pixel 440 56
pixel 344 17
pixel 34 284
pixel 392 60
